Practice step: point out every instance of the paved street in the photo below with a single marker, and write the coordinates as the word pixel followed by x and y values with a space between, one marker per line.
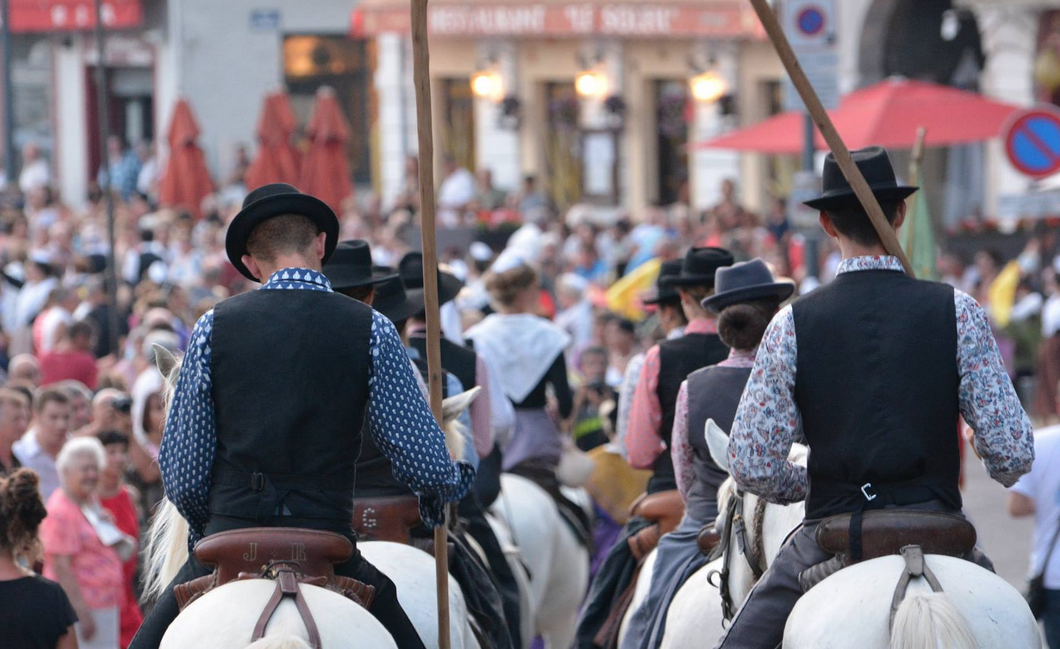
pixel 1006 540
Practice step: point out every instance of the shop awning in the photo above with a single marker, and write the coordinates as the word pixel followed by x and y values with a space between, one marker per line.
pixel 72 15
pixel 729 19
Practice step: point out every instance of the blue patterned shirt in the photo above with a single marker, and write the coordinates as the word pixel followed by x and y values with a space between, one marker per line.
pixel 768 420
pixel 401 421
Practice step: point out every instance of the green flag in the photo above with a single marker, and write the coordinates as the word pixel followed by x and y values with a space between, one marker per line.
pixel 918 238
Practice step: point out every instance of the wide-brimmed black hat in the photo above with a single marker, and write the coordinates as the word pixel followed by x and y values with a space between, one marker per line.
pixel 351 266
pixel 875 165
pixel 699 265
pixel 745 281
pixel 277 199
pixel 663 291
pixel 396 302
pixel 411 269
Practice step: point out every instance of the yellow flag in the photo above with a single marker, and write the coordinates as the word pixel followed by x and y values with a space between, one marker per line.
pixel 624 295
pixel 1002 293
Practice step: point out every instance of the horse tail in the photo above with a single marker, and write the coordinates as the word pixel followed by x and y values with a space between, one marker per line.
pixel 165 550
pixel 930 621
pixel 280 642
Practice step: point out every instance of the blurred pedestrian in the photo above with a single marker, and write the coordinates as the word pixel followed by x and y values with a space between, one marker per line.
pixel 119 499
pixel 1038 493
pixel 25 368
pixel 36 612
pixel 14 419
pixel 78 535
pixel 72 358
pixel 39 448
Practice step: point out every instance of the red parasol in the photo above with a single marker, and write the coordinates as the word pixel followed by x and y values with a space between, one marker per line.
pixel 325 171
pixel 277 160
pixel 185 181
pixel 886 114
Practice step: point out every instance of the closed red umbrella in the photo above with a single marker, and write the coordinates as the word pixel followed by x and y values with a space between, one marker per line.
pixel 325 172
pixel 185 181
pixel 887 114
pixel 276 160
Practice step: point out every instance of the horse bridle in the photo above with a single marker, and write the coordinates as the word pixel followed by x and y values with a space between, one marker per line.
pixel 753 550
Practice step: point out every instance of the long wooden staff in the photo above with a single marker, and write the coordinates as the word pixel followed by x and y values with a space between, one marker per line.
pixel 915 161
pixel 422 79
pixel 831 136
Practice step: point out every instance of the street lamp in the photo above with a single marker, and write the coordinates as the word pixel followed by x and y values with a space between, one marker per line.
pixel 708 87
pixel 486 84
pixel 590 83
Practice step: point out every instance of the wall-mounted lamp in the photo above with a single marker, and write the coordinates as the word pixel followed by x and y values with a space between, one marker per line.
pixel 708 87
pixel 591 84
pixel 487 84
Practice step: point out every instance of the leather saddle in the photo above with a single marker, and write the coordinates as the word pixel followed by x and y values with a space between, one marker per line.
pixel 664 511
pixel 386 518
pixel 289 556
pixel 885 532
pixel 708 539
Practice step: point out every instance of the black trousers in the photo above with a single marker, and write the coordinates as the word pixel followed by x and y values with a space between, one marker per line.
pixel 385 606
pixel 613 577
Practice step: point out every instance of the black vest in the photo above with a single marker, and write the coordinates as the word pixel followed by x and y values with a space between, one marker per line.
pixel 290 386
pixel 458 361
pixel 876 385
pixel 713 393
pixel 677 359
pixel 375 472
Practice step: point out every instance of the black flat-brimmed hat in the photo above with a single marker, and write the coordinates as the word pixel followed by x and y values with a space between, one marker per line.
pixel 875 165
pixel 745 281
pixel 411 269
pixel 699 265
pixel 277 199
pixel 663 291
pixel 394 301
pixel 351 266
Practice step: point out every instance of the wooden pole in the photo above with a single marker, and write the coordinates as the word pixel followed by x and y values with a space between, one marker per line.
pixel 108 186
pixel 914 179
pixel 831 136
pixel 422 80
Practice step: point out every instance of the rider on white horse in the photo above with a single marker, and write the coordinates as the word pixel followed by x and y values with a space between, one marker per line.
pixel 265 422
pixel 666 366
pixel 349 270
pixel 746 297
pixel 874 369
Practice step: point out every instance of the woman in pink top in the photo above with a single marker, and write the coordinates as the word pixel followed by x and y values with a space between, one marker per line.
pixel 74 554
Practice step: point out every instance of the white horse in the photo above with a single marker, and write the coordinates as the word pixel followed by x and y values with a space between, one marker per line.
pixel 524 515
pixel 227 621
pixel 695 617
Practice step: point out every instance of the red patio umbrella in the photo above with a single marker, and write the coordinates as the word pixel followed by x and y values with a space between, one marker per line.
pixel 325 173
pixel 276 160
pixel 185 181
pixel 887 114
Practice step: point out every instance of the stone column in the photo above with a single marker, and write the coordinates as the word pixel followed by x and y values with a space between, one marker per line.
pixel 71 131
pixel 497 146
pixel 396 99
pixel 708 167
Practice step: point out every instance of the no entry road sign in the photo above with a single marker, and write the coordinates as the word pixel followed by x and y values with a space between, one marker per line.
pixel 1032 142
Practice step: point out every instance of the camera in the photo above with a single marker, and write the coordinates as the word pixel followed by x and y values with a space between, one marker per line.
pixel 122 404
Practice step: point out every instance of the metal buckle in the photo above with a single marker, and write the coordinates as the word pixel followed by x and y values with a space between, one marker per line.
pixel 257 481
pixel 864 492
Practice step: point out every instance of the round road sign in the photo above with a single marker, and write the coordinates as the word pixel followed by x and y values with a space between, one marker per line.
pixel 1032 141
pixel 810 21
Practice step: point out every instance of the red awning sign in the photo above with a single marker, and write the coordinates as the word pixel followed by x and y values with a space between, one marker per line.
pixel 547 19
pixel 72 15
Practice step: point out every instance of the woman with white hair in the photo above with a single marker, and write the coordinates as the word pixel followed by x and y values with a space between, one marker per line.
pixel 82 545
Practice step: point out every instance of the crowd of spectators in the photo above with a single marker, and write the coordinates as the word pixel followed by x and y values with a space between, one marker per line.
pixel 81 401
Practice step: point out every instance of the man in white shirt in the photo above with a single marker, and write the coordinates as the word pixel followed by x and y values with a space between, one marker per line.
pixel 40 447
pixel 458 190
pixel 1038 493
pixel 35 172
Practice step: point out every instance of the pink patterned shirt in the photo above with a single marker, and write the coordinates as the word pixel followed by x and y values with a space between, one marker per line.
pixel 66 532
pixel 643 439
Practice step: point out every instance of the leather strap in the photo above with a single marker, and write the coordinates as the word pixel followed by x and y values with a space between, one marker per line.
pixel 915 567
pixel 287 586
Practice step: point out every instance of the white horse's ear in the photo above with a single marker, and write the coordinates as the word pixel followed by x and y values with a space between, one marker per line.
pixel 455 405
pixel 718 443
pixel 164 359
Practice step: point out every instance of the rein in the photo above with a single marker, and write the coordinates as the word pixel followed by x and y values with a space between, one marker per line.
pixel 752 550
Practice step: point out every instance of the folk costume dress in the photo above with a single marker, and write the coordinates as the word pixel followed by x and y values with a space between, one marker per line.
pixel 874 369
pixel 265 426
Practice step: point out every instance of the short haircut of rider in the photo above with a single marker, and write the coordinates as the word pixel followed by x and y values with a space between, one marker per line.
pixel 281 235
pixel 852 222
